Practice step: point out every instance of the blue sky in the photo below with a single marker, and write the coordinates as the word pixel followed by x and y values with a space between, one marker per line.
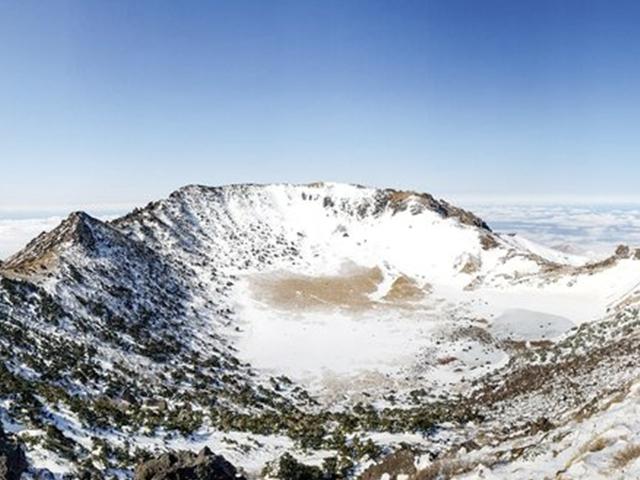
pixel 119 102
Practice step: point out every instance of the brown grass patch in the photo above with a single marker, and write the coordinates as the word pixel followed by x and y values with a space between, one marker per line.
pixel 404 288
pixel 488 241
pixel 350 290
pixel 472 265
pixel 625 456
pixel 597 405
pixel 446 360
pixel 32 265
pixel 596 444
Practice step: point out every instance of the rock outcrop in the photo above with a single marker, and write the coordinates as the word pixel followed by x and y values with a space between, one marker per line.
pixel 12 459
pixel 185 465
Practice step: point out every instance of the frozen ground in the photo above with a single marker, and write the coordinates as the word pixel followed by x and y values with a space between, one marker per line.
pixel 525 325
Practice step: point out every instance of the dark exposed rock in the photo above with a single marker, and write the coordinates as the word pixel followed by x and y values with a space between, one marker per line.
pixel 469 445
pixel 185 465
pixel 488 241
pixel 12 459
pixel 623 251
pixel 398 200
pixel 542 424
pixel 288 468
pixel 44 474
pixel 401 462
pixel 328 202
pixel 88 474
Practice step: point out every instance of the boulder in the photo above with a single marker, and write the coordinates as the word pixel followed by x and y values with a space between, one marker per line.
pixel 185 465
pixel 12 459
pixel 623 251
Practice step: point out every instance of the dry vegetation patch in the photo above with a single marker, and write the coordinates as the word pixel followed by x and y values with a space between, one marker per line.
pixel 596 444
pixel 625 456
pixel 290 291
pixel 404 289
pixel 350 290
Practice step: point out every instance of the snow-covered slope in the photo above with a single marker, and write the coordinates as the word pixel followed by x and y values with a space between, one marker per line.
pixel 222 313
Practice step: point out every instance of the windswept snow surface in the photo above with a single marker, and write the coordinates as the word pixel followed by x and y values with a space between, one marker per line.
pixel 304 326
pixel 520 324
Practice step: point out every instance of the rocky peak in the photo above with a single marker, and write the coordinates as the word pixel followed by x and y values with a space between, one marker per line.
pixel 353 197
pixel 78 229
pixel 402 199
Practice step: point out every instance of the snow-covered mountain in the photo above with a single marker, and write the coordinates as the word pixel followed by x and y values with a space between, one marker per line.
pixel 337 323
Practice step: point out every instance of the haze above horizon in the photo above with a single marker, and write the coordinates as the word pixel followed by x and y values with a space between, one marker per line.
pixel 119 103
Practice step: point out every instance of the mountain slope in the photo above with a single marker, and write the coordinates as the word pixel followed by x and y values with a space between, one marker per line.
pixel 324 320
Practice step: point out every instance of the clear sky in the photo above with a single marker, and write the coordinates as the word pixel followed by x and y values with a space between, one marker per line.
pixel 115 102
